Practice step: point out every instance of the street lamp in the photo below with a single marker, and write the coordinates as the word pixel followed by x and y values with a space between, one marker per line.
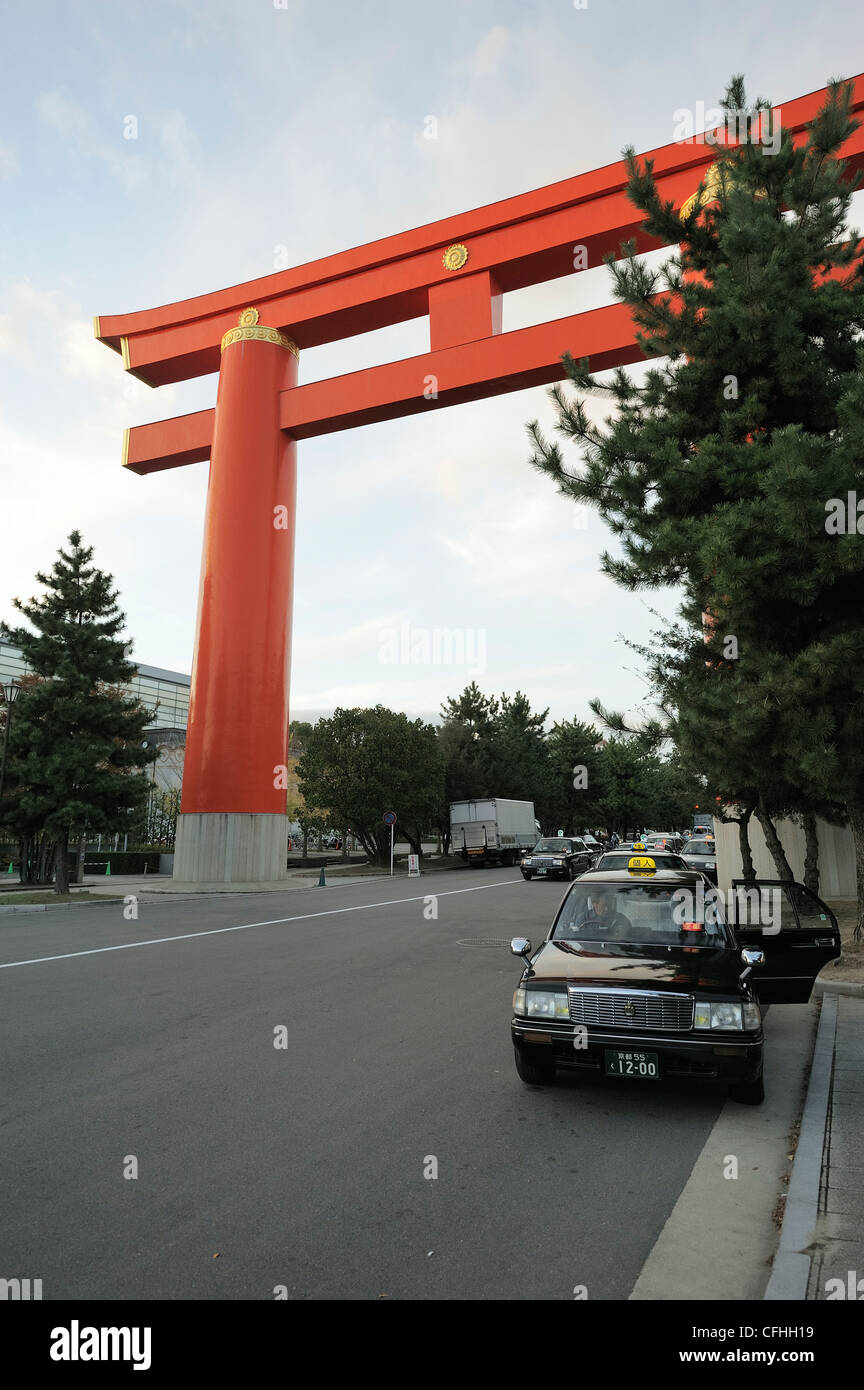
pixel 10 694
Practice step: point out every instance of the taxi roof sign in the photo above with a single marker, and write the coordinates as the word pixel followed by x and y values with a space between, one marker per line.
pixel 639 864
pixel 638 844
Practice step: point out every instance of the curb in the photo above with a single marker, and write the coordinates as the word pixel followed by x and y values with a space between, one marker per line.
pixel 437 869
pixel 58 907
pixel 790 1273
pixel 822 987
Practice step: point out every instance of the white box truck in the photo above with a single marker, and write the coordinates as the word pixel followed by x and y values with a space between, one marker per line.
pixel 494 830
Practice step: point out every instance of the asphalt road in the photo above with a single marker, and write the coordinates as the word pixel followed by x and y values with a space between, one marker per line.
pixel 303 1167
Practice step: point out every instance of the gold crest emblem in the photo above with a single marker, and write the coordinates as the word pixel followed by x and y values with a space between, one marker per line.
pixel 455 256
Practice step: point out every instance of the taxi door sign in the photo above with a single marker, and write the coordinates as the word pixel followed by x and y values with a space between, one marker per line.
pixel 641 865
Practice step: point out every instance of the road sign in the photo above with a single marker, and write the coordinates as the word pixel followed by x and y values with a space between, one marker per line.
pixel 390 819
pixel 413 865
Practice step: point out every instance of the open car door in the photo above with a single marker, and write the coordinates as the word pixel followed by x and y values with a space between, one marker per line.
pixel 796 930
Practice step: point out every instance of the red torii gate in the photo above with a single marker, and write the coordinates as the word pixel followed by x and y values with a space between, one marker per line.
pixel 233 825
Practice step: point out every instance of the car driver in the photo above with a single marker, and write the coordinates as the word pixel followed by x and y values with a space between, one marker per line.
pixel 604 914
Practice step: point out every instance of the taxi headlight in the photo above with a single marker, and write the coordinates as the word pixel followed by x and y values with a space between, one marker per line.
pixel 526 859
pixel 558 863
pixel 519 1002
pixel 542 1003
pixel 719 1016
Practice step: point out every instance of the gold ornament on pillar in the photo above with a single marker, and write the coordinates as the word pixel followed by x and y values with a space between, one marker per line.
pixel 249 329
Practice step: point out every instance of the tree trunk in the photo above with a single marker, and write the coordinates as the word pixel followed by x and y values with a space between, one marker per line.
pixel 24 848
pixel 743 824
pixel 415 842
pixel 747 870
pixel 305 843
pixel 344 844
pixel 82 852
pixel 369 845
pixel 811 859
pixel 45 859
pixel 772 840
pixel 61 867
pixel 856 822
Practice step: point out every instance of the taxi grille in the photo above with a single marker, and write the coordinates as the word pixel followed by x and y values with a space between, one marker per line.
pixel 608 1008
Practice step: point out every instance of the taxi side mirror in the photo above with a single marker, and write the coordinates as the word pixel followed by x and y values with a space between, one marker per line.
pixel 750 958
pixel 520 946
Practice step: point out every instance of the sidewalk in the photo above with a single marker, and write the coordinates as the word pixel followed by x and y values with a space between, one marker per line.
pixel 821 1254
pixel 839 1252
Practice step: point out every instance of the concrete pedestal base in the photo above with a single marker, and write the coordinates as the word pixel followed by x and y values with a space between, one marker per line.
pixel 231 848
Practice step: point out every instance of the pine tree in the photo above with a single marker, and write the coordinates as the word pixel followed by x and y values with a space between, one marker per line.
pixel 575 775
pixel 76 744
pixel 718 471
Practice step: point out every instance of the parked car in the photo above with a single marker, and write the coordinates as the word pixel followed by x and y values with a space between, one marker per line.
pixel 593 845
pixel 663 840
pixel 620 859
pixel 622 987
pixel 701 854
pixel 557 857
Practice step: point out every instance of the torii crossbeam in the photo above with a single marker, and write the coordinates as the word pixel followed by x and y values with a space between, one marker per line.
pixel 233 825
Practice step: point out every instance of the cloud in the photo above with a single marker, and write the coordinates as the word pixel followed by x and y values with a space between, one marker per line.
pixel 8 162
pixel 490 51
pixel 131 154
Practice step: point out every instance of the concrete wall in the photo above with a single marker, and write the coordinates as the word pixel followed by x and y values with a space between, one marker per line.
pixel 836 855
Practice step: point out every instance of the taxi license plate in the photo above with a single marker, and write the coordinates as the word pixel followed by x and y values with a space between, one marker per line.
pixel 642 1064
pixel 540 871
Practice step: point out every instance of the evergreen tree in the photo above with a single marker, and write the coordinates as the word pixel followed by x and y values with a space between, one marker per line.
pixel 519 761
pixel 718 471
pixel 575 775
pixel 363 762
pixel 629 774
pixel 76 742
pixel 495 746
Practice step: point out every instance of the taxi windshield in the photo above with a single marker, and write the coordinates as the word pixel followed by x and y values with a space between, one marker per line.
pixel 645 914
pixel 555 846
pixel 706 847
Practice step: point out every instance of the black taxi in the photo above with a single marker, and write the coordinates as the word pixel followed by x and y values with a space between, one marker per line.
pixel 561 856
pixel 650 973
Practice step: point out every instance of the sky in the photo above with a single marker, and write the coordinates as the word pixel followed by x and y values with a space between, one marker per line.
pixel 273 132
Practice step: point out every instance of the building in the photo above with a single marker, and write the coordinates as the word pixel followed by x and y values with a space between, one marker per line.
pixel 166 693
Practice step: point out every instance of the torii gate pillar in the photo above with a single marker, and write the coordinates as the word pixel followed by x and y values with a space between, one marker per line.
pixel 232 826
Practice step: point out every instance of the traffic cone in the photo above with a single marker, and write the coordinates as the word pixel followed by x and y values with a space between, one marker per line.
pixel 9 870
pixel 108 869
pixel 322 881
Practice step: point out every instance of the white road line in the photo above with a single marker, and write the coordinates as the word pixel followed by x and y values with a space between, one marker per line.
pixel 247 926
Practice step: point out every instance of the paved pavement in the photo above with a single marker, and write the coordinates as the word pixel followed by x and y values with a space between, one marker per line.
pixel 387 1150
pixel 837 1269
